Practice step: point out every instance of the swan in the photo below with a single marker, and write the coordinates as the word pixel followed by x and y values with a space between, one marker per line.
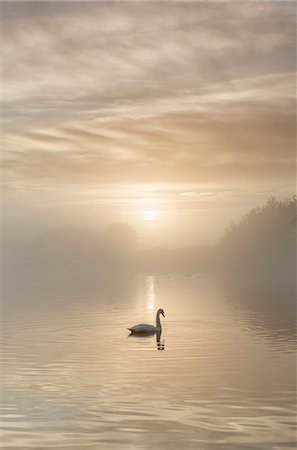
pixel 145 328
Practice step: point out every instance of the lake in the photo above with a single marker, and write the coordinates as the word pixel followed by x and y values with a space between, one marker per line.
pixel 221 376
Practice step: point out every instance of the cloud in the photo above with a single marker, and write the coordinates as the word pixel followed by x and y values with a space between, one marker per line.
pixel 148 92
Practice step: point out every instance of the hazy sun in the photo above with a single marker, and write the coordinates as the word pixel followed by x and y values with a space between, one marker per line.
pixel 149 215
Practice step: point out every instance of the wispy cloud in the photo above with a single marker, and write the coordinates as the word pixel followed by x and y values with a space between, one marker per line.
pixel 148 92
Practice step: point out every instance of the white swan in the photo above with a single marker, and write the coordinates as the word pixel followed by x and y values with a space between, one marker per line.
pixel 145 328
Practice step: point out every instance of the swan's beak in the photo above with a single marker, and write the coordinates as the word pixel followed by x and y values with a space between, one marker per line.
pixel 163 314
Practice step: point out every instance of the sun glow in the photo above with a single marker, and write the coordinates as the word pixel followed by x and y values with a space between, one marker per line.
pixel 149 215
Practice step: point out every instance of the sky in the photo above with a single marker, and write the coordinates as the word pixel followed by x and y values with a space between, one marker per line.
pixel 174 117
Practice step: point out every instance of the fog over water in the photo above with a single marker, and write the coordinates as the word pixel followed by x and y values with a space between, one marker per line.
pixel 221 376
pixel 149 161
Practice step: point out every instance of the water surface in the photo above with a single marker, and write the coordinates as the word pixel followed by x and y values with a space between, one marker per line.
pixel 222 375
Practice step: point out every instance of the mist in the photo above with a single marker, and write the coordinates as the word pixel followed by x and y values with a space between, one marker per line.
pixel 259 247
pixel 148 225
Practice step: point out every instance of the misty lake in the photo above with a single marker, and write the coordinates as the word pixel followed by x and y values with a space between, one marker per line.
pixel 222 375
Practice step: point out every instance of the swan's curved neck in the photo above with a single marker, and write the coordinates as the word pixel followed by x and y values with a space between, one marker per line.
pixel 158 321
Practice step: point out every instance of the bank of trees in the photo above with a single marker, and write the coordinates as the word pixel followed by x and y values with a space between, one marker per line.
pixel 263 243
pixel 71 254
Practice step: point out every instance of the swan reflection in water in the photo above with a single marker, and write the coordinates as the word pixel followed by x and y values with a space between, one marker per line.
pixel 160 344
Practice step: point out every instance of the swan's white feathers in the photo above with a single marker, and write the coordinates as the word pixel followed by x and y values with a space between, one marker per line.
pixel 142 328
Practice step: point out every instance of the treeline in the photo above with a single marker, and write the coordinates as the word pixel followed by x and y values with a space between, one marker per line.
pixel 71 251
pixel 262 244
pixel 87 254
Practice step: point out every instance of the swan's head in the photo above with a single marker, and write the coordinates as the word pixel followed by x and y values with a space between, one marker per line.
pixel 161 311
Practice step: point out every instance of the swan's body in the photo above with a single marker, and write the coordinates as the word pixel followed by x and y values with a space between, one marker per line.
pixel 146 328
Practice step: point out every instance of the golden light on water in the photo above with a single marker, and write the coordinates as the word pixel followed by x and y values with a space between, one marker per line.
pixel 135 134
pixel 150 293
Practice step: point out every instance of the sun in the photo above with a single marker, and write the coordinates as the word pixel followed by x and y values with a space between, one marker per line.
pixel 149 215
